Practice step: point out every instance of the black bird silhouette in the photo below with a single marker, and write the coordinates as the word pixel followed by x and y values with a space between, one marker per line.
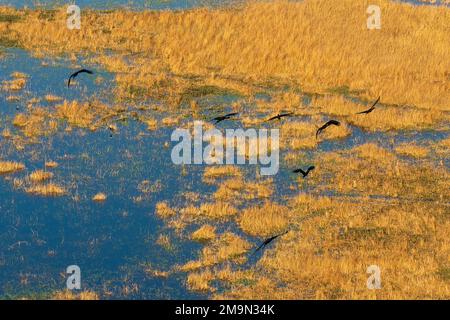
pixel 74 75
pixel 279 116
pixel 371 108
pixel 269 240
pixel 225 117
pixel 326 125
pixel 304 173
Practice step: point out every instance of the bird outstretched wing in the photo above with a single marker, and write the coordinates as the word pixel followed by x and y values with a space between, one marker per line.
pixel 299 171
pixel 371 108
pixel 75 74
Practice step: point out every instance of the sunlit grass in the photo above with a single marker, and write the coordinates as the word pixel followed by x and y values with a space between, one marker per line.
pixel 99 197
pixel 47 190
pixel 40 175
pixel 379 208
pixel 226 247
pixel 299 44
pixel 264 221
pixel 412 150
pixel 10 167
pixel 70 295
pixel 204 233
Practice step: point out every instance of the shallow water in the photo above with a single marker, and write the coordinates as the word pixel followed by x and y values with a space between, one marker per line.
pixel 41 236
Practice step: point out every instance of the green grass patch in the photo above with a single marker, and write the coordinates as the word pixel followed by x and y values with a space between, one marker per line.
pixel 9 18
pixel 203 91
pixel 444 274
pixel 48 15
pixel 8 43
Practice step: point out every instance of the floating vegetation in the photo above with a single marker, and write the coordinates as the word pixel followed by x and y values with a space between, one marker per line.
pixel 70 295
pixel 10 167
pixel 164 211
pixel 47 190
pixel 51 164
pixel 99 197
pixel 40 176
pixel 204 234
pixel 16 84
pixel 165 242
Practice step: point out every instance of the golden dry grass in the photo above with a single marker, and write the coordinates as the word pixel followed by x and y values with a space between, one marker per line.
pixel 12 98
pixel 163 210
pixel 156 273
pixel 214 210
pixel 99 197
pixel 51 164
pixel 69 295
pixel 384 212
pixel 396 118
pixel 204 233
pixel 35 123
pixel 10 167
pixel 52 98
pixel 81 115
pixel 40 176
pixel 239 190
pixel 412 150
pixel 300 43
pixel 200 281
pixel 165 242
pixel 380 209
pixel 328 258
pixel 6 133
pixel 265 220
pixel 152 124
pixel 370 169
pixel 16 84
pixel 227 247
pixel 336 105
pixel 212 173
pixel 443 147
pixel 46 190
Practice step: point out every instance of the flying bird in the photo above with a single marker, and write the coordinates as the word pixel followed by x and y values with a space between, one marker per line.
pixel 326 125
pixel 279 116
pixel 304 173
pixel 74 75
pixel 225 117
pixel 371 108
pixel 269 240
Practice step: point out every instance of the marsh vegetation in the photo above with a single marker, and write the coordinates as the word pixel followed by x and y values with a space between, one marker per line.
pixel 85 171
